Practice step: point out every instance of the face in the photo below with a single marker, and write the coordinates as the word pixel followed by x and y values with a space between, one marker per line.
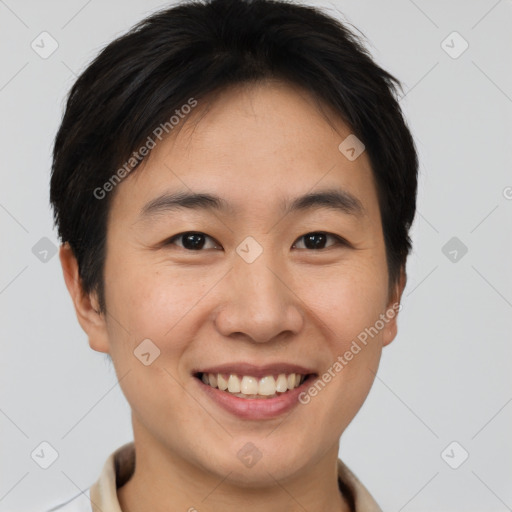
pixel 247 287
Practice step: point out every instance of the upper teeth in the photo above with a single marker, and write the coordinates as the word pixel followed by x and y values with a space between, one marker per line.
pixel 248 385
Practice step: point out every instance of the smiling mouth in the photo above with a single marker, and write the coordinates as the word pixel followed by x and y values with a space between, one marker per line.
pixel 247 386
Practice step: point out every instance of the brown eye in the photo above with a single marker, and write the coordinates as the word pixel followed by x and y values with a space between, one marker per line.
pixel 191 241
pixel 317 240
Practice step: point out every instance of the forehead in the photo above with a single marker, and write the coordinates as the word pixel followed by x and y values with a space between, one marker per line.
pixel 257 145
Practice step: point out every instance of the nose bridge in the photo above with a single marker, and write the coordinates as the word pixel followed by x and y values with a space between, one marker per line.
pixel 253 263
pixel 258 282
pixel 260 305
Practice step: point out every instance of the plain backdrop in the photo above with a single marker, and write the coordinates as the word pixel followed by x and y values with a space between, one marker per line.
pixel 444 387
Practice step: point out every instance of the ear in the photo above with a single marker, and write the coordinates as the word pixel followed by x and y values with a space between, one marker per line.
pixel 86 305
pixel 392 309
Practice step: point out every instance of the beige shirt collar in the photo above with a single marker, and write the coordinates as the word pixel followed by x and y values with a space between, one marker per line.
pixel 119 467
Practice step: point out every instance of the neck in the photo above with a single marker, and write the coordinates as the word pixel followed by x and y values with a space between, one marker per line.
pixel 173 480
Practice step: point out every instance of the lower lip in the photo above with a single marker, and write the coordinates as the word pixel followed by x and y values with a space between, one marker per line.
pixel 255 408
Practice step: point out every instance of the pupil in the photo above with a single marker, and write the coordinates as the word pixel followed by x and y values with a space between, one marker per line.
pixel 193 241
pixel 310 238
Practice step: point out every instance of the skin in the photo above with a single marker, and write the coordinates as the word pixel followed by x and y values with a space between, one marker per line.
pixel 256 145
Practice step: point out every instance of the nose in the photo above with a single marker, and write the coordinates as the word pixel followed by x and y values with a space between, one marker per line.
pixel 260 304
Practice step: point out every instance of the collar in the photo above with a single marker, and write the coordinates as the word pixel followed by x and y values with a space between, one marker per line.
pixel 120 465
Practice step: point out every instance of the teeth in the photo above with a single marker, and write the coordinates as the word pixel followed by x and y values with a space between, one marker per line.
pixel 222 383
pixel 267 386
pixel 282 383
pixel 248 386
pixel 233 384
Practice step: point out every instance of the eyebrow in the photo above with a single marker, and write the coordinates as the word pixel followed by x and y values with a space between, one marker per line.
pixel 333 199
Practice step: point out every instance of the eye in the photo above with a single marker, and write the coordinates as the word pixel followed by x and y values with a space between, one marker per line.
pixel 191 240
pixel 195 240
pixel 316 240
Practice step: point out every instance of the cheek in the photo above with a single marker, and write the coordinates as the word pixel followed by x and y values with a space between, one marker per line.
pixel 346 300
pixel 154 302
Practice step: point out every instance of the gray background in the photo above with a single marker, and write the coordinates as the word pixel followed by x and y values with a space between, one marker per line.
pixel 445 378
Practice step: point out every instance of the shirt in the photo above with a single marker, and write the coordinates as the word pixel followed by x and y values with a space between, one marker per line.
pixel 120 465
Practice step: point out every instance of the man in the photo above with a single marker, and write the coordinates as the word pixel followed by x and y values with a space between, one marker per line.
pixel 233 184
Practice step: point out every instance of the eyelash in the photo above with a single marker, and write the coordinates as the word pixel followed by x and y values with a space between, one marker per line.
pixel 339 240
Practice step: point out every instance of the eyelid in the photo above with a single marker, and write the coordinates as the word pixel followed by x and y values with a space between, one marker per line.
pixel 171 240
pixel 339 240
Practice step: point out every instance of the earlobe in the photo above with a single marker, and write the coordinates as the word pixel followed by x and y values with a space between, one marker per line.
pixel 86 305
pixel 392 309
pixel 390 332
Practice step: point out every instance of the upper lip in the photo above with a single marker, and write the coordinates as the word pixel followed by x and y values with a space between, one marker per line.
pixel 256 371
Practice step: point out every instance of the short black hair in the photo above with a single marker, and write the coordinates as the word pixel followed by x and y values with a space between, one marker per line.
pixel 196 49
